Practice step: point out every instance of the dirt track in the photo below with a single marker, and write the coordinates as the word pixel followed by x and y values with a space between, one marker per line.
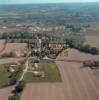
pixel 78 83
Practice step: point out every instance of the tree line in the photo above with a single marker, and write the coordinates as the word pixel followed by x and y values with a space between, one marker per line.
pixel 82 47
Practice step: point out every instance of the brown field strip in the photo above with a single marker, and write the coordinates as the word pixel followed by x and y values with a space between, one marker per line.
pixel 5 93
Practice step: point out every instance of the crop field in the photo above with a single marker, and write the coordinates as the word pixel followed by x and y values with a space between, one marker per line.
pixel 93 40
pixel 5 93
pixel 10 30
pixel 10 47
pixel 78 83
pixel 2 43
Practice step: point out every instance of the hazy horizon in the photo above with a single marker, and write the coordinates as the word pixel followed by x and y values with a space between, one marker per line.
pixel 44 1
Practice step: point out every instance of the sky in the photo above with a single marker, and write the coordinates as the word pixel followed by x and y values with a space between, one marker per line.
pixel 42 1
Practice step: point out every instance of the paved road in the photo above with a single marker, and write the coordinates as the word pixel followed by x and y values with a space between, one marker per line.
pixel 77 84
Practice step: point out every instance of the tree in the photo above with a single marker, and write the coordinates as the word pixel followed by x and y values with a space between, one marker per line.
pixel 19 88
pixel 14 97
pixel 10 54
pixel 82 47
pixel 91 64
pixel 94 50
pixel 13 81
pixel 86 48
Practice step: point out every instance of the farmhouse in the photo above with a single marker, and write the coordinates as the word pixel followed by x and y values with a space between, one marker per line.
pixel 11 69
pixel 39 74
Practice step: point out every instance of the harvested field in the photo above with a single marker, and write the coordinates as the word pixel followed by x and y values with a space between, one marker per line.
pixel 77 56
pixel 77 83
pixel 5 93
pixel 2 45
pixel 96 73
pixel 10 30
pixel 93 40
pixel 10 47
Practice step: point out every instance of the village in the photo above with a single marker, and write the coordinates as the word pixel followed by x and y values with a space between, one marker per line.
pixel 30 56
pixel 27 58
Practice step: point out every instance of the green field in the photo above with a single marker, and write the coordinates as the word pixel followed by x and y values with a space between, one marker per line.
pixel 51 73
pixel 3 76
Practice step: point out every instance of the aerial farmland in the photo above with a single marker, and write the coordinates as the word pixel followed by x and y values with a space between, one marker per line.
pixel 49 51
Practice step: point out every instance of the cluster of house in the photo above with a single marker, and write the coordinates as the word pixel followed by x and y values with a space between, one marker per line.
pixel 38 29
pixel 53 44
pixel 34 28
